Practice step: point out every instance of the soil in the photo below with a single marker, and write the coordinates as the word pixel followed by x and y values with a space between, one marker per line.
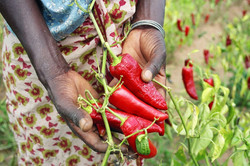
pixel 212 33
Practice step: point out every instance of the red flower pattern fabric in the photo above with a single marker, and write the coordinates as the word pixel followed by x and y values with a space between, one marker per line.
pixel 42 136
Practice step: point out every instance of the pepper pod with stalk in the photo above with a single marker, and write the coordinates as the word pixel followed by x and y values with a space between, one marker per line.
pixel 127 67
pixel 188 79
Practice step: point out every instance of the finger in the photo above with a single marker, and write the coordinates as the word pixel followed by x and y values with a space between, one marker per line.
pixel 113 82
pixel 156 59
pixel 78 116
pixel 91 138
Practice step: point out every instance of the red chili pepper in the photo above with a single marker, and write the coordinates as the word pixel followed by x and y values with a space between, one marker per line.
pixel 101 129
pixel 248 82
pixel 130 126
pixel 187 28
pixel 126 101
pixel 247 61
pixel 206 18
pixel 115 122
pixel 130 71
pixel 188 63
pixel 188 80
pixel 216 2
pixel 179 25
pixel 210 105
pixel 244 12
pixel 193 18
pixel 210 81
pixel 206 55
pixel 228 41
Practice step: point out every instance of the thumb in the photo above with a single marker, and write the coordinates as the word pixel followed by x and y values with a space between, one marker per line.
pixel 78 116
pixel 152 68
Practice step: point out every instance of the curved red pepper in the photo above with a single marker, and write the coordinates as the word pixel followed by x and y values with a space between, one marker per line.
pixel 126 101
pixel 206 55
pixel 131 72
pixel 101 129
pixel 210 81
pixel 247 61
pixel 187 28
pixel 228 41
pixel 115 122
pixel 188 80
pixel 244 12
pixel 206 18
pixel 130 126
pixel 179 25
pixel 248 82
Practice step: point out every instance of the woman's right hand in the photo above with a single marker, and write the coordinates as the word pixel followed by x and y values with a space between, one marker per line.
pixel 64 91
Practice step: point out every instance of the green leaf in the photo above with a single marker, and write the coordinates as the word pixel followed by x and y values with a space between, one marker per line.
pixel 231 112
pixel 174 162
pixel 225 64
pixel 178 131
pixel 194 119
pixel 204 112
pixel 207 95
pixel 237 137
pixel 205 139
pixel 217 81
pixel 180 154
pixel 224 110
pixel 217 147
pixel 227 134
pixel 239 159
pixel 244 87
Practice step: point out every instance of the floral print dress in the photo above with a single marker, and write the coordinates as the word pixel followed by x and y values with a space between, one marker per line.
pixel 42 136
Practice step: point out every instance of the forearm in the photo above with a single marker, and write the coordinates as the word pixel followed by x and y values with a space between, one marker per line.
pixel 26 20
pixel 150 10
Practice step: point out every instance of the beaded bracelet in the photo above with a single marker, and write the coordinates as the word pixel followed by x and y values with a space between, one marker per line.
pixel 152 23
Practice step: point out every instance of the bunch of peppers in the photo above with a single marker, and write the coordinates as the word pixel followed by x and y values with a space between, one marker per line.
pixel 138 104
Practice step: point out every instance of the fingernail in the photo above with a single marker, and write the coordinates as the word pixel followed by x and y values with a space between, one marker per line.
pixel 148 75
pixel 85 125
pixel 82 123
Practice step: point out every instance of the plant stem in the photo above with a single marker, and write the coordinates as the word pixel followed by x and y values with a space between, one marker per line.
pixel 106 156
pixel 182 120
pixel 105 103
pixel 104 43
pixel 122 119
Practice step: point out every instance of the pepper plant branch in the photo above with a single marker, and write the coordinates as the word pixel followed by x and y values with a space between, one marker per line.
pixel 138 131
pixel 105 103
pixel 182 120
